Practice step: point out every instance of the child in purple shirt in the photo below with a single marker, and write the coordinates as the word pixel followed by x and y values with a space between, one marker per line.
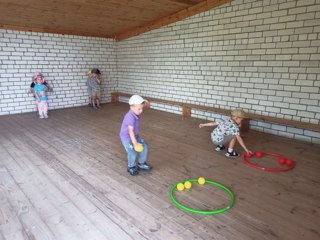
pixel 129 135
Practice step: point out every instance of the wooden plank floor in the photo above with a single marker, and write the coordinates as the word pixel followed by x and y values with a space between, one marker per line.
pixel 65 178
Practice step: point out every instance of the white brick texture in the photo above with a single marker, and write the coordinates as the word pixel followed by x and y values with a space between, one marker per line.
pixel 266 51
pixel 64 61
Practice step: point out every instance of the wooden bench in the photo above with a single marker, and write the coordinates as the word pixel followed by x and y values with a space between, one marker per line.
pixel 186 107
pixel 115 98
pixel 186 113
pixel 285 122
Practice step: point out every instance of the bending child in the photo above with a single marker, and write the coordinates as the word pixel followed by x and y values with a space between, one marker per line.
pixel 130 138
pixel 228 130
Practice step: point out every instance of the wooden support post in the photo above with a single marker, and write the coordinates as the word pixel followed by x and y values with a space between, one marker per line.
pixel 245 125
pixel 146 105
pixel 186 112
pixel 114 97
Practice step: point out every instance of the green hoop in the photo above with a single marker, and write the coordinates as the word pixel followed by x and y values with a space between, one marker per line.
pixel 200 211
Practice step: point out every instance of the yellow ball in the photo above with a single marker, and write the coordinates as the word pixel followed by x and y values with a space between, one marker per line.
pixel 180 187
pixel 139 148
pixel 201 180
pixel 187 185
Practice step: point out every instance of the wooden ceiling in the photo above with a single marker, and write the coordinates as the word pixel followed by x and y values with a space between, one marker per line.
pixel 118 19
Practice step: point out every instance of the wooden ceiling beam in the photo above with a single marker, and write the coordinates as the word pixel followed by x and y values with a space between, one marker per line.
pixel 57 31
pixel 188 12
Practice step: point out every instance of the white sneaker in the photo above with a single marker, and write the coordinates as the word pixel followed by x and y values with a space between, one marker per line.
pixel 231 154
pixel 41 116
pixel 45 115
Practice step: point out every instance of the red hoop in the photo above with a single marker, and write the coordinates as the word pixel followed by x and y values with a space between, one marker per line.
pixel 290 166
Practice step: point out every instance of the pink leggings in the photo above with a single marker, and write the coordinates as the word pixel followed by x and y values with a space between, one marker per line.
pixel 42 107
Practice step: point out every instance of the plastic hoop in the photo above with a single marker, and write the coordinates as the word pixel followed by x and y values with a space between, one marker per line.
pixel 290 167
pixel 213 212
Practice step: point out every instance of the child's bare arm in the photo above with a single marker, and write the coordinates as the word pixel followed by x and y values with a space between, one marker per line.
pixel 133 137
pixel 241 142
pixel 210 124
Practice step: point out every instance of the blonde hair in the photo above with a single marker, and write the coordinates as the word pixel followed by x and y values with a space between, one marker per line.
pixel 238 113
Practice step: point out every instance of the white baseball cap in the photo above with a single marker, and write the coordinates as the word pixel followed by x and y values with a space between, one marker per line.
pixel 136 99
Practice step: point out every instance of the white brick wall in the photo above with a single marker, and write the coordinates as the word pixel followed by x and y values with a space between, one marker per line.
pixel 64 61
pixel 262 56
